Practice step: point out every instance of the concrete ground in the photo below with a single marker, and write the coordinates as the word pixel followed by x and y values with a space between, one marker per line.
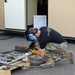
pixel 63 67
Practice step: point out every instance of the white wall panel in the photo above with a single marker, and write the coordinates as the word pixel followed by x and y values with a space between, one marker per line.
pixel 15 14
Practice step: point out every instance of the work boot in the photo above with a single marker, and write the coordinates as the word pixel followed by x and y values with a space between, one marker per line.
pixel 49 63
pixel 68 55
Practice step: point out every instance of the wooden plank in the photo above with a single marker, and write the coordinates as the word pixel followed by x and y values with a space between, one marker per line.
pixel 5 72
pixel 26 66
pixel 16 65
pixel 1 67
pixel 24 63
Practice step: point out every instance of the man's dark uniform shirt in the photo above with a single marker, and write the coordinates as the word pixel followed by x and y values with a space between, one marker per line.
pixel 53 37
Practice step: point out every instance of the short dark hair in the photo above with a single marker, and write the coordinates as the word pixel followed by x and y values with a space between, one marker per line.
pixel 32 31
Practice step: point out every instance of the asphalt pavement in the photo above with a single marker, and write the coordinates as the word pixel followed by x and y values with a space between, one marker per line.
pixel 62 67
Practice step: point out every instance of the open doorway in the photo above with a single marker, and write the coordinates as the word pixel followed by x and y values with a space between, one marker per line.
pixel 42 7
pixel 36 7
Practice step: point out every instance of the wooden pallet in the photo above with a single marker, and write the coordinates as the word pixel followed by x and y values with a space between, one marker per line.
pixel 24 64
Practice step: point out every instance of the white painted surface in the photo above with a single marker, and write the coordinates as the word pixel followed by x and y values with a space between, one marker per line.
pixel 15 14
pixel 39 21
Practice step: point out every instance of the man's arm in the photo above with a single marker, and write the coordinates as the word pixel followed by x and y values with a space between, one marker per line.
pixel 41 52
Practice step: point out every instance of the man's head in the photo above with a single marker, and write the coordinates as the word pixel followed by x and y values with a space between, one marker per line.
pixel 31 34
pixel 32 31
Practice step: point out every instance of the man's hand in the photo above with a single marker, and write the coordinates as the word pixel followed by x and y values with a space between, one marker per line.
pixel 40 52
